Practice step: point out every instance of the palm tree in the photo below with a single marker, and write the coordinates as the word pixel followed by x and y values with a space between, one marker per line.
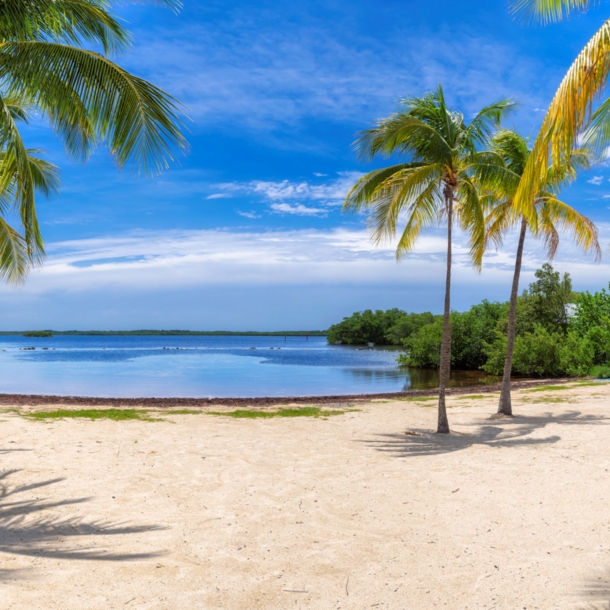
pixel 572 108
pixel 552 216
pixel 435 183
pixel 84 96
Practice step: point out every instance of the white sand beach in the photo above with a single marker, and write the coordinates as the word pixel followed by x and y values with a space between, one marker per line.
pixel 348 512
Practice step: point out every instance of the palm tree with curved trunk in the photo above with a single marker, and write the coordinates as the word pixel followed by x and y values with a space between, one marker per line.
pixel 572 118
pixel 85 97
pixel 436 183
pixel 552 216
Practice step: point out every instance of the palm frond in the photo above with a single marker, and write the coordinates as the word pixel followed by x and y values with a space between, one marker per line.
pixel 66 21
pixel 88 98
pixel 546 11
pixel 488 119
pixel 569 111
pixel 362 194
pixel 15 260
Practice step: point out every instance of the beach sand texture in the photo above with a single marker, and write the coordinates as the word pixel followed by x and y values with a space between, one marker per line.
pixel 348 512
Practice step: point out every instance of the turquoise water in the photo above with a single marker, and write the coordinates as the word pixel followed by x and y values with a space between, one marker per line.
pixel 202 367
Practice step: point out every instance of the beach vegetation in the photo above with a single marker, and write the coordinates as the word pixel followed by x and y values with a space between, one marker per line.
pixel 45 334
pixel 389 327
pixel 601 371
pixel 437 181
pixel 288 412
pixel 113 414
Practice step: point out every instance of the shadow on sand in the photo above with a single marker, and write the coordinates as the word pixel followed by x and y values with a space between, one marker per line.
pixel 509 432
pixel 24 531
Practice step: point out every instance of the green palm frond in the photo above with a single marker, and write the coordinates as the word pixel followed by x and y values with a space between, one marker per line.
pixel 15 260
pixel 488 119
pixel 68 21
pixel 423 213
pixel 471 217
pixel 399 193
pixel 87 98
pixel 362 194
pixel 546 11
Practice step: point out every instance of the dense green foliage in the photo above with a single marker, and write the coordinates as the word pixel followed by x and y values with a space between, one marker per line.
pixel 389 327
pixel 559 332
pixel 38 333
pixel 472 330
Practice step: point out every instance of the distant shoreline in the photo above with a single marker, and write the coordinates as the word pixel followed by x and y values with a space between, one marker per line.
pixel 174 333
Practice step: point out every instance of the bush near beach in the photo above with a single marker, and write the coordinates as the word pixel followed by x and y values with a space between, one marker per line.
pixel 559 332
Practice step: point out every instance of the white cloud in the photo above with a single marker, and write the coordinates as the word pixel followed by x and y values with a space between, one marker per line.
pixel 164 260
pixel 597 180
pixel 297 210
pixel 319 175
pixel 251 215
pixel 219 196
pixel 331 192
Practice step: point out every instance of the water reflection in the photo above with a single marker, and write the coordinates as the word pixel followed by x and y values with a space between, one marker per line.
pixel 424 379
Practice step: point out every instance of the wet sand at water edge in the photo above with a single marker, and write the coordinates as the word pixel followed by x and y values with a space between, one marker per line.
pixel 349 511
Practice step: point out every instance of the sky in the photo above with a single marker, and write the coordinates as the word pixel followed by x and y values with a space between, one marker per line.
pixel 245 231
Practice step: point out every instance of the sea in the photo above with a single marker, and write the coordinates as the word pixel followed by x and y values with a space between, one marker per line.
pixel 206 367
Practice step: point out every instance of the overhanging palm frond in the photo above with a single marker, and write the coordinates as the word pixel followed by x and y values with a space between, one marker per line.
pixel 472 218
pixel 16 178
pixel 67 21
pixel 88 98
pixel 546 11
pixel 15 260
pixel 569 111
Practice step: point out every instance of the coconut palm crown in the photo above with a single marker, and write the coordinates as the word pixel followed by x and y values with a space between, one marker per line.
pixel 85 97
pixel 436 183
pixel 552 217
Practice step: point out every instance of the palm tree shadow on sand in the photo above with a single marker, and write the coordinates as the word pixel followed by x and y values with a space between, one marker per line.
pixel 23 531
pixel 509 432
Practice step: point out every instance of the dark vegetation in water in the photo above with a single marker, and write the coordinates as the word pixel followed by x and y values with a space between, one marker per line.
pixel 559 332
pixel 38 333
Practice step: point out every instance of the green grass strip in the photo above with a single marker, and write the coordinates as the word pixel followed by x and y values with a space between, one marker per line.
pixel 114 414
pixel 300 412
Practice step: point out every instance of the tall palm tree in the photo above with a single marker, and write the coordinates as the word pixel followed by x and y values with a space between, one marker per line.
pixel 435 183
pixel 552 216
pixel 84 96
pixel 572 110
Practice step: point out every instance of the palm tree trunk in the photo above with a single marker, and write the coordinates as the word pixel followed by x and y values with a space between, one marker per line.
pixel 505 407
pixel 445 363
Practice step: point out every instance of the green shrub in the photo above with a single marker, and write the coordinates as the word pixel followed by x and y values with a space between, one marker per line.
pixel 601 371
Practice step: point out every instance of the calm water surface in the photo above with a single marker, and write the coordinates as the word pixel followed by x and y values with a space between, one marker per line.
pixel 205 367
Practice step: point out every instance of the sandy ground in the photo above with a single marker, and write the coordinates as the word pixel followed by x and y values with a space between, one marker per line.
pixel 205 512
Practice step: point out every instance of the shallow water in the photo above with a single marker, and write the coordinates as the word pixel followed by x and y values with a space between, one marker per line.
pixel 198 366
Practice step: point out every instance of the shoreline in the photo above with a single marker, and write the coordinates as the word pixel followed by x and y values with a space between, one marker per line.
pixel 265 401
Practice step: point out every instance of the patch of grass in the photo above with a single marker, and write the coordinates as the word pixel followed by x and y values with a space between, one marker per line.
pixel 477 396
pixel 546 388
pixel 300 412
pixel 181 412
pixel 114 414
pixel 550 399
pixel 584 384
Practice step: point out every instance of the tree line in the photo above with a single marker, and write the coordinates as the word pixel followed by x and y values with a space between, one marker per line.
pixel 558 332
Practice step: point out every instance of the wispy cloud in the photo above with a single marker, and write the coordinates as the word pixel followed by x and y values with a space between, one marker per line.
pixel 246 70
pixel 219 196
pixel 297 210
pixel 597 180
pixel 251 215
pixel 331 192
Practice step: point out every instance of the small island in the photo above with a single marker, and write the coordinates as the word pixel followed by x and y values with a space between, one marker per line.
pixel 38 333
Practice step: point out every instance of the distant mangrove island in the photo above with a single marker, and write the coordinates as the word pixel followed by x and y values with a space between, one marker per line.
pixel 167 333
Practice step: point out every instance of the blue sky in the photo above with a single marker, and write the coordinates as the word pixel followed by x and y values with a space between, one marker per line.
pixel 245 232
